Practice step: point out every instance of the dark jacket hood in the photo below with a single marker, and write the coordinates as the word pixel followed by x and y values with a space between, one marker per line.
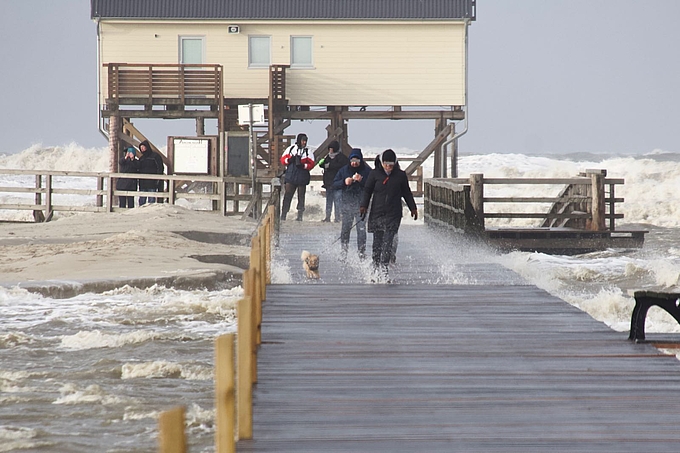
pixel 378 162
pixel 356 152
pixel 148 145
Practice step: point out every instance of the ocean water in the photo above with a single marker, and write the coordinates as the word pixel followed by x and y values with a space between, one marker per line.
pixel 92 373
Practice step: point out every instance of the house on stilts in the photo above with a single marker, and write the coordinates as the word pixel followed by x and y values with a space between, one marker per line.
pixel 324 60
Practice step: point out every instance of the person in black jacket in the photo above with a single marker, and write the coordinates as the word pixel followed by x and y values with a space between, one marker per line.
pixel 150 163
pixel 350 182
pixel 387 184
pixel 333 162
pixel 127 164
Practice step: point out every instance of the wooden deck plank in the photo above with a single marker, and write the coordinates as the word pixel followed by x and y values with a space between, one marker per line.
pixel 497 365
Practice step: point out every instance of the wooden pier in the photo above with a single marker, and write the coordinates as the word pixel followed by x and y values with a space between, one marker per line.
pixel 458 354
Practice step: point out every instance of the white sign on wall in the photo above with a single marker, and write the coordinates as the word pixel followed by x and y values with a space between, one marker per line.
pixel 191 155
pixel 244 114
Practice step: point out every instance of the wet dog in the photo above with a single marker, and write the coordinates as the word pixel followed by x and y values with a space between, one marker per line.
pixel 310 263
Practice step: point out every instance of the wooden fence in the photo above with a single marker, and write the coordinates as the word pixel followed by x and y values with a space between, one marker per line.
pixel 235 367
pixel 584 203
pixel 45 192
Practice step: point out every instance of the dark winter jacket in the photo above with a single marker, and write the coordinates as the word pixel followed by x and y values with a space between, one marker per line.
pixel 386 193
pixel 351 195
pixel 126 165
pixel 150 163
pixel 330 168
pixel 297 170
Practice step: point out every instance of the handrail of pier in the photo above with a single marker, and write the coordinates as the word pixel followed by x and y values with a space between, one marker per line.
pixel 461 202
pixel 35 190
pixel 235 367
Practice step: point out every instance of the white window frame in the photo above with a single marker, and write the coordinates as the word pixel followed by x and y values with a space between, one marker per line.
pixel 180 52
pixel 250 53
pixel 309 65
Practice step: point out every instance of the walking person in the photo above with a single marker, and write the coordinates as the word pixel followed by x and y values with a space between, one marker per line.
pixel 127 164
pixel 299 161
pixel 350 182
pixel 386 186
pixel 150 163
pixel 333 162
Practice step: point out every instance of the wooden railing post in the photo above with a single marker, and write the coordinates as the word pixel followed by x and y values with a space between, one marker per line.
pixel 598 206
pixel 48 197
pixel 244 403
pixel 225 405
pixel 38 215
pixel 171 435
pixel 100 185
pixel 477 196
pixel 612 208
pixel 109 194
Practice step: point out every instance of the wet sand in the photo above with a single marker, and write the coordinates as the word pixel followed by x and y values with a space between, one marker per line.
pixel 152 244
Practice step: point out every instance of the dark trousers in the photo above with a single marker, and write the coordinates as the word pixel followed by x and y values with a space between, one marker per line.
pixel 288 197
pixel 382 247
pixel 333 198
pixel 143 200
pixel 349 218
pixel 126 202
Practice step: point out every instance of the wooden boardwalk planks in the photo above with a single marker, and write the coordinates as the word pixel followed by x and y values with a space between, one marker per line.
pixel 418 366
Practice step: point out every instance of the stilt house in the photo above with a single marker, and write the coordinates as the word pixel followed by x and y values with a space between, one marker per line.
pixel 329 60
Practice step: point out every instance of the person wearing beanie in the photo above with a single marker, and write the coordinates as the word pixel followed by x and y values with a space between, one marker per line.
pixel 386 186
pixel 127 164
pixel 350 181
pixel 298 161
pixel 330 164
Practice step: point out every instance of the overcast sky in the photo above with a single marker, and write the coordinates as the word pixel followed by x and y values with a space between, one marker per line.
pixel 545 76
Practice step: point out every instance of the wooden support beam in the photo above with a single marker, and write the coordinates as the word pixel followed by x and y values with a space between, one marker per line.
pixel 377 115
pixel 417 162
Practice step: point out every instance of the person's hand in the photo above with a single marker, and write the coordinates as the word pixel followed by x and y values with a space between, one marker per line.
pixel 357 177
pixel 348 181
pixel 414 214
pixel 362 212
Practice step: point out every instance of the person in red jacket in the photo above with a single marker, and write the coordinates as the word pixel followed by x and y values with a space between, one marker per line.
pixel 298 161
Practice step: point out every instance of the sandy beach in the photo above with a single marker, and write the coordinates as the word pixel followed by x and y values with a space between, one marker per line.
pixel 152 244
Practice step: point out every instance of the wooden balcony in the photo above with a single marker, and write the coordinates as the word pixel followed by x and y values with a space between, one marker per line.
pixel 171 85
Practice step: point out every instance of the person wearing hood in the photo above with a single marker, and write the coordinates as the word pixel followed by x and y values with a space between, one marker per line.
pixel 127 164
pixel 386 186
pixel 350 182
pixel 333 162
pixel 298 161
pixel 150 163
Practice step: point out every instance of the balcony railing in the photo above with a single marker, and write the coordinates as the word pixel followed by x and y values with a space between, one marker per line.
pixel 150 83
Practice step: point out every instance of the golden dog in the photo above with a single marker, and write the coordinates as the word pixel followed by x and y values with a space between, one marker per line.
pixel 310 263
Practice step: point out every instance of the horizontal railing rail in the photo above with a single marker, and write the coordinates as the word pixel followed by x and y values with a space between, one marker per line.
pixel 597 205
pixel 45 192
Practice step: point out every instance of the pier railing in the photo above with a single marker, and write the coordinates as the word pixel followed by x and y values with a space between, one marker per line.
pixel 235 362
pixel 587 202
pixel 42 193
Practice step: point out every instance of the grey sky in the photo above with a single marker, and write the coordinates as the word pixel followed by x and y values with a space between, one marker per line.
pixel 556 76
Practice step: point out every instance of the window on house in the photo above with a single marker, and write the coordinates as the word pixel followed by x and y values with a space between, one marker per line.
pixel 259 51
pixel 191 50
pixel 301 51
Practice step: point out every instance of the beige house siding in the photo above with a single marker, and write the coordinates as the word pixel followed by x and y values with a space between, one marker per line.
pixel 358 63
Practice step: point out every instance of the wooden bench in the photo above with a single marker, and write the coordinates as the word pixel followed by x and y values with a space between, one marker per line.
pixel 644 300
